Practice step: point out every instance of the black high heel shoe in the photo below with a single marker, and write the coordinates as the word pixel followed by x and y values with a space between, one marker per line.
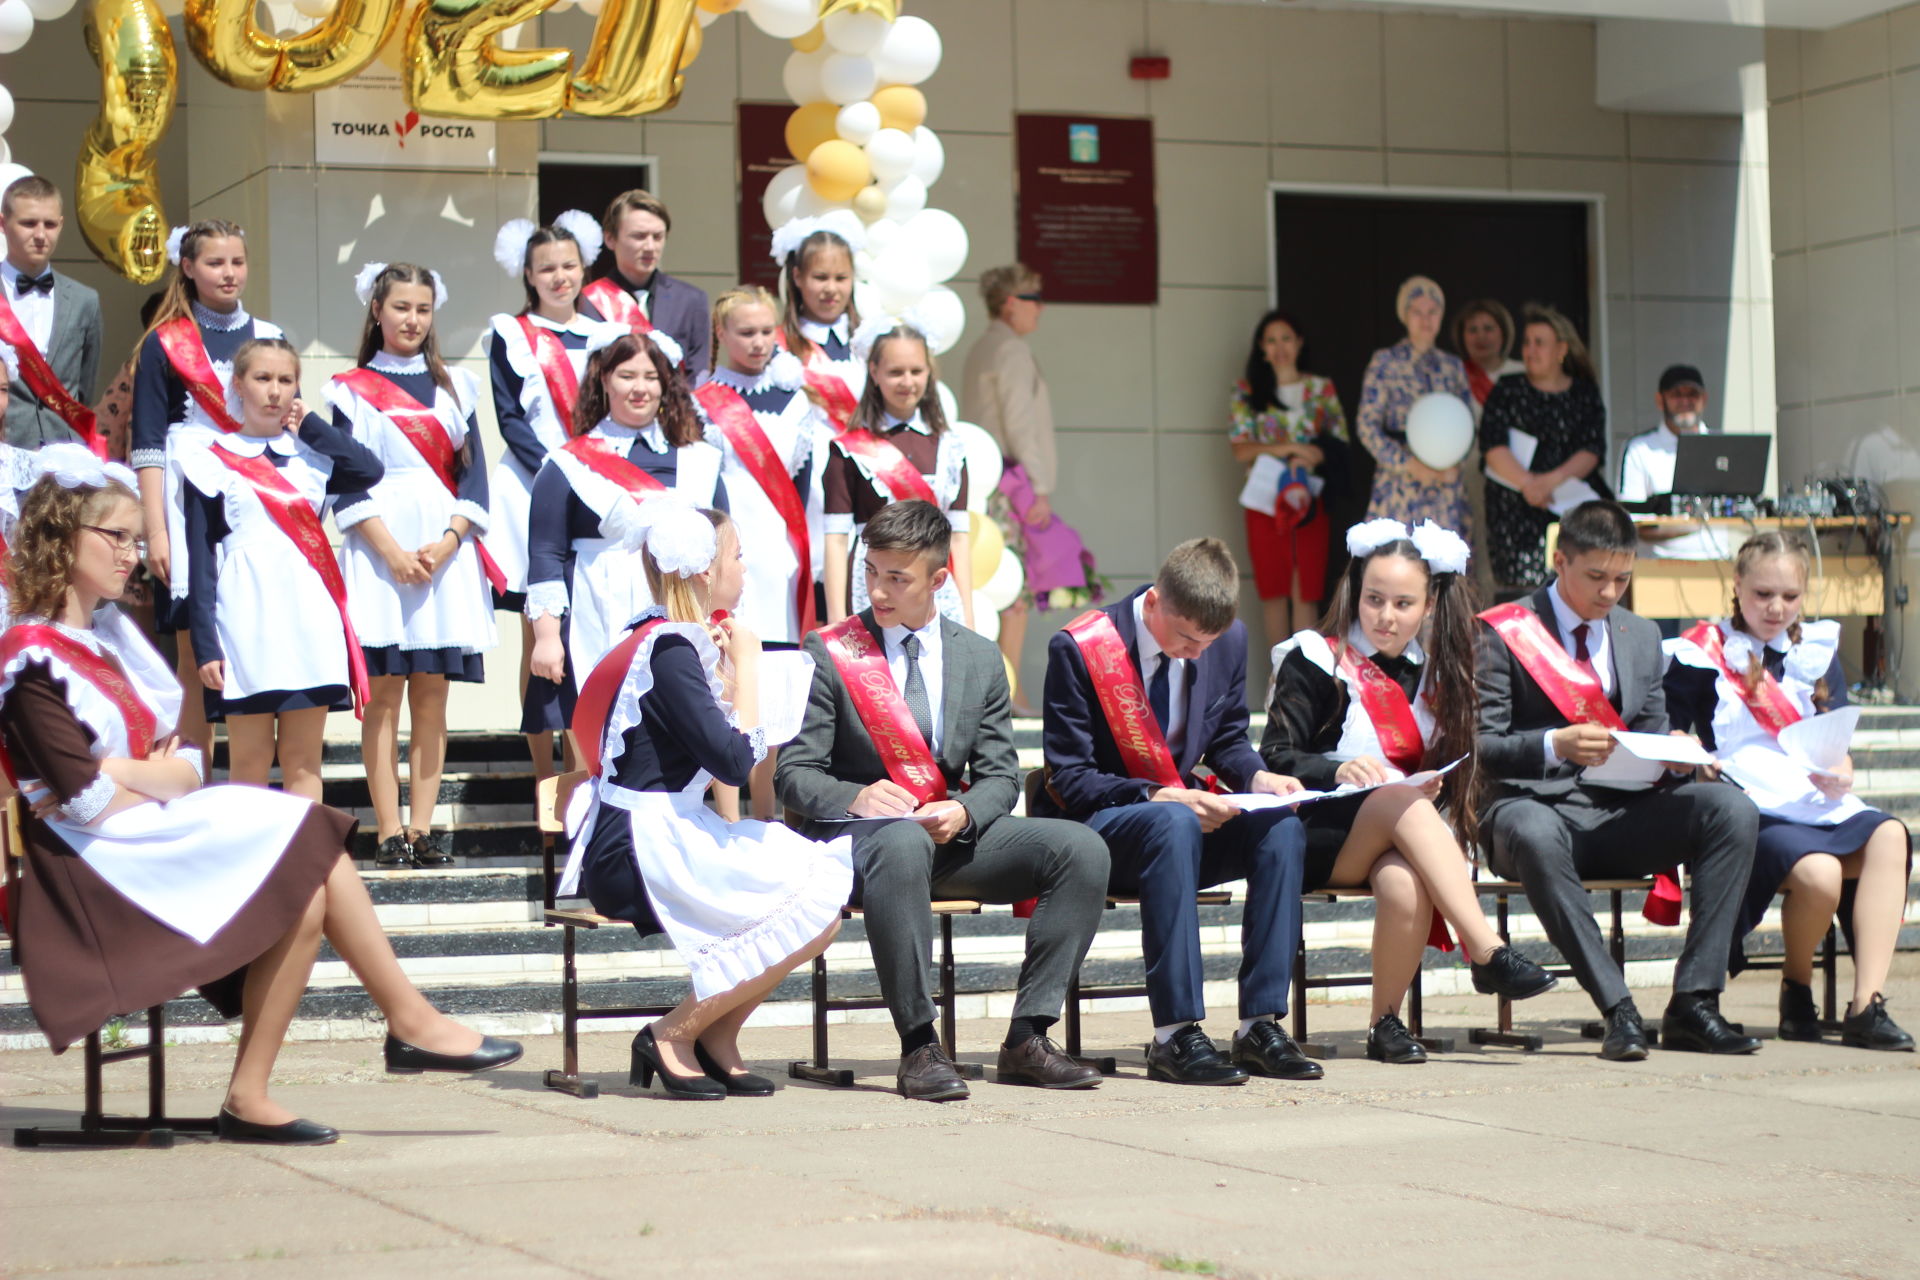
pixel 747 1085
pixel 648 1063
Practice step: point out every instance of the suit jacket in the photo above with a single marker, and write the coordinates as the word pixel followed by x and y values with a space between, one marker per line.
pixel 826 766
pixel 1084 768
pixel 1002 390
pixel 680 311
pixel 1515 713
pixel 74 355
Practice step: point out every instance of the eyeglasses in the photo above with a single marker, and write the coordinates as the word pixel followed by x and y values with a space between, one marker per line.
pixel 1029 297
pixel 122 540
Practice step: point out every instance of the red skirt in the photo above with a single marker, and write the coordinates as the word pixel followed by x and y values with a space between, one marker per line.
pixel 1284 552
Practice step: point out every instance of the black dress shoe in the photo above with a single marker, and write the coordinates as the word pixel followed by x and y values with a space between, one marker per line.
pixel 1693 1023
pixel 1040 1062
pixel 1267 1050
pixel 430 850
pixel 405 1060
pixel 1510 974
pixel 394 854
pixel 1871 1028
pixel 647 1063
pixel 1189 1057
pixel 1626 1039
pixel 744 1085
pixel 928 1075
pixel 294 1133
pixel 1799 1020
pixel 1388 1040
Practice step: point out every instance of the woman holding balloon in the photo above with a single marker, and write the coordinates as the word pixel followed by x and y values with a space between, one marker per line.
pixel 1405 488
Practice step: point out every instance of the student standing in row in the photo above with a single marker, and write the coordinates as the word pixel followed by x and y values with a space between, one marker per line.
pixel 635 292
pixel 51 320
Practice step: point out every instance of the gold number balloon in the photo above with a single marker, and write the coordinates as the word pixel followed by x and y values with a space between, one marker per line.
pixel 633 65
pixel 116 190
pixel 224 37
pixel 454 68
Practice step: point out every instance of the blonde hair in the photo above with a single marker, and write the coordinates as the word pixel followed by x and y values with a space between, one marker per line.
pixel 178 295
pixel 1002 284
pixel 741 295
pixel 1577 362
pixel 1765 546
pixel 674 593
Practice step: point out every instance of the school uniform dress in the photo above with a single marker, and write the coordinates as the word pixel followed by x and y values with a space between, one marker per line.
pixel 1291 539
pixel 1703 701
pixel 167 420
pixel 530 427
pixel 1561 423
pixel 440 627
pixel 1316 722
pixel 1396 377
pixel 795 427
pixel 580 567
pixel 855 495
pixel 831 354
pixel 130 910
pixel 735 898
pixel 254 600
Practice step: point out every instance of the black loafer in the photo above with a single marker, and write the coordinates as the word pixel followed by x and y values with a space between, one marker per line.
pixel 394 854
pixel 1693 1023
pixel 405 1060
pixel 1189 1057
pixel 1799 1019
pixel 1510 974
pixel 1871 1028
pixel 294 1133
pixel 1626 1039
pixel 1267 1050
pixel 1388 1040
pixel 744 1085
pixel 430 850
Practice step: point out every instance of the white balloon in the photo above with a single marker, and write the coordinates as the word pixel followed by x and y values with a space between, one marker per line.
pixel 862 262
pixel 942 316
pixel 847 78
pixel 11 173
pixel 306 8
pixel 6 109
pixel 986 618
pixel 950 406
pixel 891 153
pixel 855 32
pixel 880 234
pixel 941 239
pixel 1440 430
pixel 908 197
pixel 16 25
pixel 857 122
pixel 811 204
pixel 900 277
pixel 782 191
pixel 48 10
pixel 983 463
pixel 929 156
pixel 866 299
pixel 1007 582
pixel 783 19
pixel 801 76
pixel 910 53
pixel 6 151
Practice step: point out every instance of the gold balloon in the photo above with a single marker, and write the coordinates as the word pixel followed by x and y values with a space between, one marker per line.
pixel 223 36
pixel 809 126
pixel 902 107
pixel 988 546
pixel 836 169
pixel 888 9
pixel 454 68
pixel 810 41
pixel 696 41
pixel 870 203
pixel 719 6
pixel 116 188
pixel 633 65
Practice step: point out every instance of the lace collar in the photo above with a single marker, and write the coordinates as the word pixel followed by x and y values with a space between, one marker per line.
pixel 385 361
pixel 85 635
pixel 224 321
pixel 784 371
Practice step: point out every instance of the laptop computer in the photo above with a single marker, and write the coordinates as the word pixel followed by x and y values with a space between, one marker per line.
pixel 1712 466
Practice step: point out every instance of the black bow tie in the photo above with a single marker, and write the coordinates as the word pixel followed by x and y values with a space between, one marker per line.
pixel 24 285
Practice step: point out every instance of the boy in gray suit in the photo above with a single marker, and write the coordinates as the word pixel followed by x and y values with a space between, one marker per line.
pixel 58 315
pixel 937 694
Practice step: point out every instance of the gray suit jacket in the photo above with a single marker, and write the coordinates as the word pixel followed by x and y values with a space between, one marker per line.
pixel 75 357
pixel 1515 713
pixel 821 771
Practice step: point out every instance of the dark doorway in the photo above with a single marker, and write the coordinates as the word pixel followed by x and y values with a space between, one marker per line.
pixel 588 185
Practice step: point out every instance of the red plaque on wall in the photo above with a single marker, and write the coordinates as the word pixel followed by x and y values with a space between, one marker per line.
pixel 762 147
pixel 1087 219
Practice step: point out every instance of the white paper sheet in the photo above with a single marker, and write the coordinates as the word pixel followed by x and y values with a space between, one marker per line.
pixel 1250 801
pixel 1569 494
pixel 1262 490
pixel 1644 757
pixel 1819 743
pixel 786 677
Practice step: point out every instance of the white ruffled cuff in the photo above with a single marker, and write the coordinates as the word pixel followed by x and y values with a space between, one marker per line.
pixel 961 521
pixel 546 600
pixel 475 515
pixel 92 800
pixel 757 739
pixel 839 522
pixel 195 757
pixel 147 459
pixel 345 518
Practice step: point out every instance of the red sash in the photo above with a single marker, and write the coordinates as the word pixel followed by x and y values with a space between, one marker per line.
pixel 1386 705
pixel 862 664
pixel 595 703
pixel 427 434
pixel 101 672
pixel 598 458
pixel 180 339
pixel 1129 716
pixel 1575 692
pixel 616 304
pixel 730 412
pixel 1769 702
pixel 563 385
pixel 837 398
pixel 41 379
pixel 1479 381
pixel 290 510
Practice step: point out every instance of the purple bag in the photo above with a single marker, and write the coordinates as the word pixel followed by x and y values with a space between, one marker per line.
pixel 1055 555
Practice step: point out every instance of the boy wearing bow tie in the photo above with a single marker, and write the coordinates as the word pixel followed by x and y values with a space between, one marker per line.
pixel 52 320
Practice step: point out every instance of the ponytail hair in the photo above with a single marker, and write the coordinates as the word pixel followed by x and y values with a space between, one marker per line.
pixel 1450 645
pixel 178 295
pixel 1765 546
pixel 798 261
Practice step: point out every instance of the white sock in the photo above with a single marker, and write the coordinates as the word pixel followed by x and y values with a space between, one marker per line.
pixel 1248 1024
pixel 1163 1034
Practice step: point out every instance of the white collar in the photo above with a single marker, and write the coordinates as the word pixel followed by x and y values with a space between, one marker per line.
pixel 208 318
pixel 1566 620
pixel 929 635
pixel 784 371
pixel 1143 640
pixel 912 424
pixel 1359 639
pixel 814 331
pixel 386 362
pixel 1738 642
pixel 653 433
pixel 245 446
pixel 580 324
pixel 9 272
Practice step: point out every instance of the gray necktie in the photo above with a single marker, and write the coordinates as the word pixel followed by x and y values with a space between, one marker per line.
pixel 916 689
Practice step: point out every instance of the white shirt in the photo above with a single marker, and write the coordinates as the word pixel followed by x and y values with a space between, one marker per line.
pixel 1646 471
pixel 1599 651
pixel 35 310
pixel 1150 658
pixel 932 669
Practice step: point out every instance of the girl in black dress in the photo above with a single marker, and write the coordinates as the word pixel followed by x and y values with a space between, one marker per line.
pixel 1363 702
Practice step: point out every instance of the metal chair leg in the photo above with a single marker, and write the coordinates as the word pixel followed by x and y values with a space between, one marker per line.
pixel 1503 1033
pixel 568 1078
pixel 818 1071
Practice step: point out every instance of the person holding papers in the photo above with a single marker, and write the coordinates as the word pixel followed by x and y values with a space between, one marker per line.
pixel 1560 674
pixel 1764 690
pixel 1138 695
pixel 1365 704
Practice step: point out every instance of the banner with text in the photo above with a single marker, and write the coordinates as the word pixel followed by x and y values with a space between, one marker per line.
pixel 367 121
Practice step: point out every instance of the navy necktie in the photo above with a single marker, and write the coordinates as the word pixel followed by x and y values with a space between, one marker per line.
pixel 1158 690
pixel 24 285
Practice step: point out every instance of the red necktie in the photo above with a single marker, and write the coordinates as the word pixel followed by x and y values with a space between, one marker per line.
pixel 1583 655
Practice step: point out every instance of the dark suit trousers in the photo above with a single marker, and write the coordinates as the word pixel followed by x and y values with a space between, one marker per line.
pixel 1161 856
pixel 1549 845
pixel 901 871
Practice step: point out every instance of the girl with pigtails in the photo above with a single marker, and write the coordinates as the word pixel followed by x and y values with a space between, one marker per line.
pixel 535 358
pixel 417 573
pixel 1378 697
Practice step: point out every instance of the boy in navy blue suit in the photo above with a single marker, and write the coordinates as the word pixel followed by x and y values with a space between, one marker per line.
pixel 1137 695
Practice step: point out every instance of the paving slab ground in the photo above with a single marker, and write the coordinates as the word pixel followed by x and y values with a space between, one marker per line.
pixel 1802 1160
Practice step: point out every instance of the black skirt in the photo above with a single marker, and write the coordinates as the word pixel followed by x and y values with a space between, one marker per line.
pixel 1783 843
pixel 1328 823
pixel 334 697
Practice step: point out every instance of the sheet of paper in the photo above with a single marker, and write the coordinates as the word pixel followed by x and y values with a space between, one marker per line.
pixel 1819 743
pixel 1570 494
pixel 1522 446
pixel 786 676
pixel 1262 491
pixel 1771 774
pixel 1250 801
pixel 1643 757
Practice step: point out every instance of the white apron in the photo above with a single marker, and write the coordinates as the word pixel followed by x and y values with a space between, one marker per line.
pixel 950 470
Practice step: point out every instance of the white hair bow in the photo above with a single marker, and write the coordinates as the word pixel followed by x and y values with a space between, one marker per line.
pixel 174 238
pixel 73 466
pixel 510 242
pixel 668 347
pixel 1444 550
pixel 1366 538
pixel 676 534
pixel 363 284
pixel 793 233
pixel 10 358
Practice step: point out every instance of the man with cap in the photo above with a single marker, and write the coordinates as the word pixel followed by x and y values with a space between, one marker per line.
pixel 1646 467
